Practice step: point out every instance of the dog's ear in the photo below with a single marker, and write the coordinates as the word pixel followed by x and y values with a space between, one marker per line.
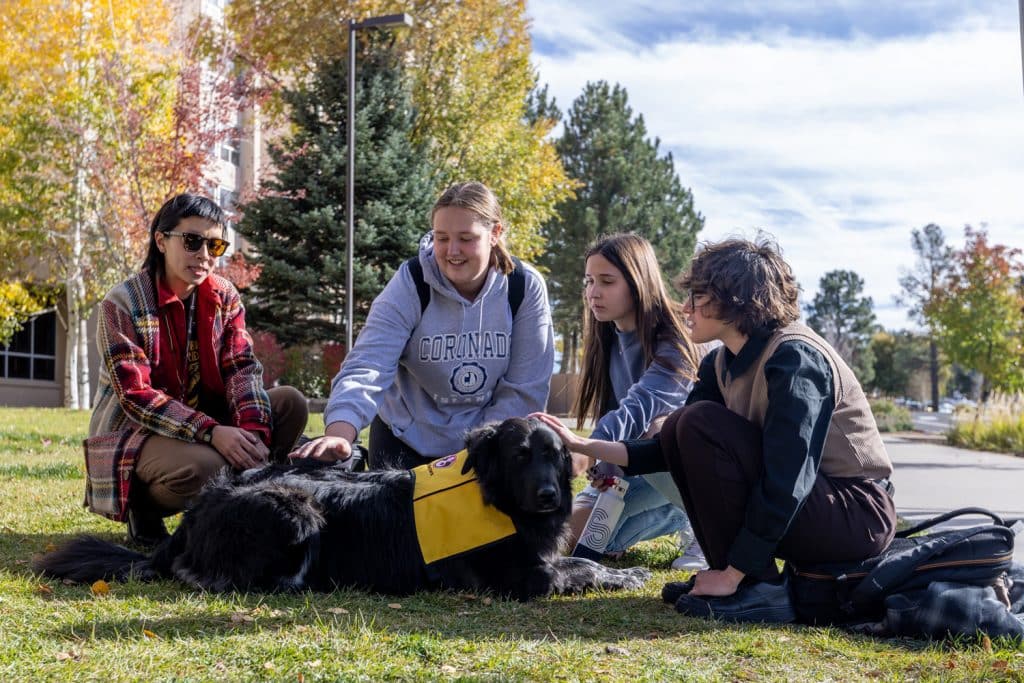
pixel 478 443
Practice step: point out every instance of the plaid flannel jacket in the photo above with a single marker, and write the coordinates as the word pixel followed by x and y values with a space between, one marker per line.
pixel 128 408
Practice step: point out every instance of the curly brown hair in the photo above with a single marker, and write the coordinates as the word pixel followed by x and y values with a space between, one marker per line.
pixel 748 282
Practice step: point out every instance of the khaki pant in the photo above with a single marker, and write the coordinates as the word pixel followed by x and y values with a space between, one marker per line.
pixel 169 472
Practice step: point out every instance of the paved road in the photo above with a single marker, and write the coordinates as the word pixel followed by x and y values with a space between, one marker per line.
pixel 931 478
pixel 931 423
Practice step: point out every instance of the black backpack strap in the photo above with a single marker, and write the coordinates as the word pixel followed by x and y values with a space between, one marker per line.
pixel 422 288
pixel 516 286
pixel 896 568
pixel 959 512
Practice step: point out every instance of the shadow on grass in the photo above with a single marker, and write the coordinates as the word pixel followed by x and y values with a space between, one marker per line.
pixel 597 617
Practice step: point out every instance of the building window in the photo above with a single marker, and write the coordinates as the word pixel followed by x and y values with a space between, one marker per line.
pixel 229 152
pixel 32 353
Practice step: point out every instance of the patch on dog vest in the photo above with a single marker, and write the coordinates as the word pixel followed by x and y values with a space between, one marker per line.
pixel 451 516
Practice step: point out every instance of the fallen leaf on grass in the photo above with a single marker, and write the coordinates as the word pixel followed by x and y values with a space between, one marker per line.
pixel 448 669
pixel 986 643
pixel 487 601
pixel 337 610
pixel 615 650
pixel 149 634
pixel 300 678
pixel 1000 665
pixel 241 618
pixel 315 663
pixel 394 605
pixel 43 589
pixel 65 656
pixel 100 587
pixel 950 664
pixel 268 665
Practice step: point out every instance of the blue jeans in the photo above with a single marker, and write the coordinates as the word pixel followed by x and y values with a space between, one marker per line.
pixel 648 514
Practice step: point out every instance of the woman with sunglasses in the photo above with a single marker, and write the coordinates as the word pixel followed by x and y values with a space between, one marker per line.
pixel 180 392
pixel 448 353
pixel 776 453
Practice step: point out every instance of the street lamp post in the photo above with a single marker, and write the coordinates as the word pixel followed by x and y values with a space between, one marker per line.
pixel 387 21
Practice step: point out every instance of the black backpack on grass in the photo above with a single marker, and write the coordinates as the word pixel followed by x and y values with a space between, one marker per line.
pixel 852 592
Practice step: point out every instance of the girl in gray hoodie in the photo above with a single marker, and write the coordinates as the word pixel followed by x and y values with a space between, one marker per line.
pixel 421 377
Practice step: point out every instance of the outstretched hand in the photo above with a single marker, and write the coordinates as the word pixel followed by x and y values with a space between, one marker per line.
pixel 568 437
pixel 324 448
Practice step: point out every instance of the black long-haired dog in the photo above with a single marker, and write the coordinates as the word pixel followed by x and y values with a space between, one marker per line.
pixel 321 527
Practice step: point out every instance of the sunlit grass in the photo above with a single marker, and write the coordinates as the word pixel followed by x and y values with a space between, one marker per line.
pixel 164 631
pixel 996 425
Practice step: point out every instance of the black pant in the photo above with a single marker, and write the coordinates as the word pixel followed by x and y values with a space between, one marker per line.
pixel 387 451
pixel 716 459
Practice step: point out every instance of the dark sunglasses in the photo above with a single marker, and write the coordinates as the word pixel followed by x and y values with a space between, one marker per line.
pixel 194 242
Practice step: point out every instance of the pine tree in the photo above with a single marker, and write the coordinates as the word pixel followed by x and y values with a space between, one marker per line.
pixel 846 320
pixel 298 225
pixel 626 186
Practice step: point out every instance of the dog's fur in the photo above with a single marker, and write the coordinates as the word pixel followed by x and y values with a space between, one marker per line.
pixel 320 527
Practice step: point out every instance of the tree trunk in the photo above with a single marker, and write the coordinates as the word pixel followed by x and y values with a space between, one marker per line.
pixel 933 371
pixel 563 366
pixel 71 348
pixel 84 398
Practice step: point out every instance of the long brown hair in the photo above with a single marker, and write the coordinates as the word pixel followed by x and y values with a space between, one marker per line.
pixel 478 199
pixel 658 318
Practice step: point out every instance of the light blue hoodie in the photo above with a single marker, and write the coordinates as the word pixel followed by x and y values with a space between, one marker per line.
pixel 433 377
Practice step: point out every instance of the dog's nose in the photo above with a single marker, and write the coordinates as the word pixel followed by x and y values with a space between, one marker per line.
pixel 547 495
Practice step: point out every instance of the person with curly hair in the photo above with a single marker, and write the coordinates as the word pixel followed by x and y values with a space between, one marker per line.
pixel 776 453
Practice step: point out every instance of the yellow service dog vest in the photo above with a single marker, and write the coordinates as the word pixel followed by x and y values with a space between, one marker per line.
pixel 451 516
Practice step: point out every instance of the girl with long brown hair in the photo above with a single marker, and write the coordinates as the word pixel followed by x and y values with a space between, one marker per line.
pixel 637 367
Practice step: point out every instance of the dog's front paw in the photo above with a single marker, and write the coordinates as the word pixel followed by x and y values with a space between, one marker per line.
pixel 642 573
pixel 627 579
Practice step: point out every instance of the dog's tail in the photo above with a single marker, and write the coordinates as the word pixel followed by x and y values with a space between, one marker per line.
pixel 87 559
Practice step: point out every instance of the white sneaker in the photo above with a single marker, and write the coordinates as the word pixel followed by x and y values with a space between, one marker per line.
pixel 692 559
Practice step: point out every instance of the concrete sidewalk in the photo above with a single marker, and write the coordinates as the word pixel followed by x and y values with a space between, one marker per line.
pixel 932 478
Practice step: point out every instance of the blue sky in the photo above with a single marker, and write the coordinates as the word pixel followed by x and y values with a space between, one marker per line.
pixel 836 126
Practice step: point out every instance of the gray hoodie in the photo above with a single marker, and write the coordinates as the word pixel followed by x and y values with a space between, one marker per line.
pixel 434 376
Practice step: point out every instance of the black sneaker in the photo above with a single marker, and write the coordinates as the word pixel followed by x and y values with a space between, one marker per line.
pixel 761 602
pixel 145 528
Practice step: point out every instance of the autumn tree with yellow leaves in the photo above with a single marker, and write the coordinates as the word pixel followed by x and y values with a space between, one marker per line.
pixel 469 65
pixel 95 136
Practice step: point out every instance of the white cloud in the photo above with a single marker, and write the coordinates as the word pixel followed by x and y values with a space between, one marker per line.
pixel 838 147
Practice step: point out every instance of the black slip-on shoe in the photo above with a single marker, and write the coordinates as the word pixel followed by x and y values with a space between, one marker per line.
pixel 757 602
pixel 673 590
pixel 146 528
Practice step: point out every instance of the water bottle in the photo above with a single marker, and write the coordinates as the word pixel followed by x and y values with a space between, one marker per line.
pixel 603 520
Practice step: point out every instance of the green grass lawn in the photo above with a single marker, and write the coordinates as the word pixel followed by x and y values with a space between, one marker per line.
pixel 164 631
